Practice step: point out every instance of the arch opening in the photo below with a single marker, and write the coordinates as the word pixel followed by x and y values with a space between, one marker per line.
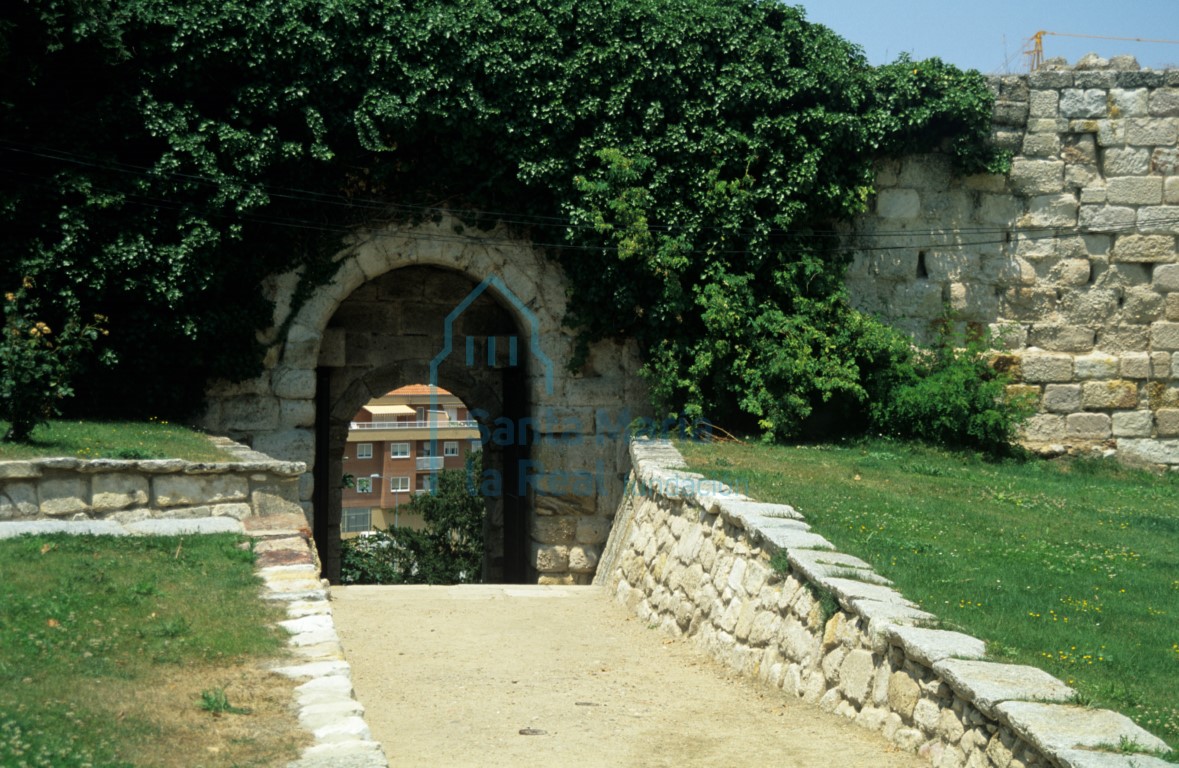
pixel 393 330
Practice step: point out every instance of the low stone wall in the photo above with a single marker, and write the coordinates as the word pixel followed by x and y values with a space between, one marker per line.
pixel 129 491
pixel 762 593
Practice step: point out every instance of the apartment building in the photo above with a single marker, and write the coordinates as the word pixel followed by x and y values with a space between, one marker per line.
pixel 397 445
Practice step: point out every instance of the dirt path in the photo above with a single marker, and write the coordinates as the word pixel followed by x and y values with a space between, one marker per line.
pixel 450 676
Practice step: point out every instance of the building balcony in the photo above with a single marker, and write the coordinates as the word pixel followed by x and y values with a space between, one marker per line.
pixel 431 463
pixel 370 425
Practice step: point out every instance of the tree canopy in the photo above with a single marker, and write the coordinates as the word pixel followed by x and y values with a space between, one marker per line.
pixel 683 159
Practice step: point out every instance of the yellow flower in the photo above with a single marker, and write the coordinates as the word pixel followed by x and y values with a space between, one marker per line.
pixel 27 282
pixel 10 296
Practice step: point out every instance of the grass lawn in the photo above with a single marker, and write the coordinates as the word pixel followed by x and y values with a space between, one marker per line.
pixel 1069 566
pixel 113 440
pixel 128 651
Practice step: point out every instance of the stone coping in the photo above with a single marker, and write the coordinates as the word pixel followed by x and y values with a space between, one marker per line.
pixel 1032 703
pixel 288 566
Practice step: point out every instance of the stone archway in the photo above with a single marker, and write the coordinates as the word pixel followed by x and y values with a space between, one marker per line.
pixel 576 420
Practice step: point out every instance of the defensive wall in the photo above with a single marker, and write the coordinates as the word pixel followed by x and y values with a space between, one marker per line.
pixel 757 590
pixel 1070 260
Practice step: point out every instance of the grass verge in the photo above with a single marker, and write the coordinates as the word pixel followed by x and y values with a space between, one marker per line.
pixel 113 440
pixel 110 647
pixel 1070 566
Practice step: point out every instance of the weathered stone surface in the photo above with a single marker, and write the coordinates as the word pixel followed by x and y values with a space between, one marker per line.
pixel 1062 398
pixel 1133 424
pixel 1077 103
pixel 1167 422
pixel 1037 177
pixel 985 684
pixel 118 491
pixel 898 204
pixel 1088 426
pixel 855 676
pixel 1145 248
pixel 1096 395
pixel 189 490
pixel 1134 190
pixel 1042 367
pixel 1165 336
pixel 1054 727
pixel 817 565
pixel 1106 218
pixel 67 495
pixel 929 646
pixel 18 500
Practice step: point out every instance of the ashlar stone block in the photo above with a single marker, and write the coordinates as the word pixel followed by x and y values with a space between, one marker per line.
pixel 1106 217
pixel 1164 102
pixel 1095 366
pixel 1129 102
pixel 1145 249
pixel 1125 161
pixel 189 490
pixel 1062 338
pixel 1053 211
pixel 1151 132
pixel 1167 421
pixel 118 490
pixel 1062 398
pixel 1100 395
pixel 1166 278
pixel 1045 367
pixel 898 204
pixel 1088 426
pixel 60 496
pixel 1164 336
pixel 1037 177
pixel 1083 103
pixel 1159 220
pixel 1134 190
pixel 1132 423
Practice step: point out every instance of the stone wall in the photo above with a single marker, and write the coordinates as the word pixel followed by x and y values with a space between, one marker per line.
pixel 756 589
pixel 129 492
pixel 382 322
pixel 1070 259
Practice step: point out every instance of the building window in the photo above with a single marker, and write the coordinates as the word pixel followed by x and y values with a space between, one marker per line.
pixel 356 520
pixel 364 485
pixel 397 484
pixel 427 483
pixel 399 450
pixel 425 449
pixel 364 450
pixel 476 445
pixel 450 448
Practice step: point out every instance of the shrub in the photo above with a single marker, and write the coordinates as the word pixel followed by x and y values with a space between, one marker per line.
pixel 37 363
pixel 949 395
pixel 449 550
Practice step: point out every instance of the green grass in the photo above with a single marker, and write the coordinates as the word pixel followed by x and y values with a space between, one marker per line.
pixel 1069 566
pixel 113 440
pixel 105 643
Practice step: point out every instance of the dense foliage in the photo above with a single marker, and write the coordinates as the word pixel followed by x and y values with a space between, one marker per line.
pixel 684 161
pixel 447 550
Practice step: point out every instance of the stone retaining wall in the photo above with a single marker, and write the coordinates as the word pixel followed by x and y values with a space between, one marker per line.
pixel 760 592
pixel 1070 259
pixel 129 491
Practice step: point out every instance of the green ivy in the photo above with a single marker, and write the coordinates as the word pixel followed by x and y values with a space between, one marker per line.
pixel 687 160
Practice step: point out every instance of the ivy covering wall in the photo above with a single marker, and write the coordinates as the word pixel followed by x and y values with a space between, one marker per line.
pixel 685 160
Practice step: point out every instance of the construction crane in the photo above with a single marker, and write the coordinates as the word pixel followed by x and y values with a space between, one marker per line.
pixel 1035 52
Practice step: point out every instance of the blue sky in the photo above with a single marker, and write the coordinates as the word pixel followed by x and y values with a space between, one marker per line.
pixel 970 33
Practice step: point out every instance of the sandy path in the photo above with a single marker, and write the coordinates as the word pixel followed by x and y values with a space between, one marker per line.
pixel 451 675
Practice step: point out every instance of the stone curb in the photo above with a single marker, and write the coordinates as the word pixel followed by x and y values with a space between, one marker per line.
pixel 289 568
pixel 1031 702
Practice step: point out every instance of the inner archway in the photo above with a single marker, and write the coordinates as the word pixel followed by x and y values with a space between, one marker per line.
pixel 395 330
